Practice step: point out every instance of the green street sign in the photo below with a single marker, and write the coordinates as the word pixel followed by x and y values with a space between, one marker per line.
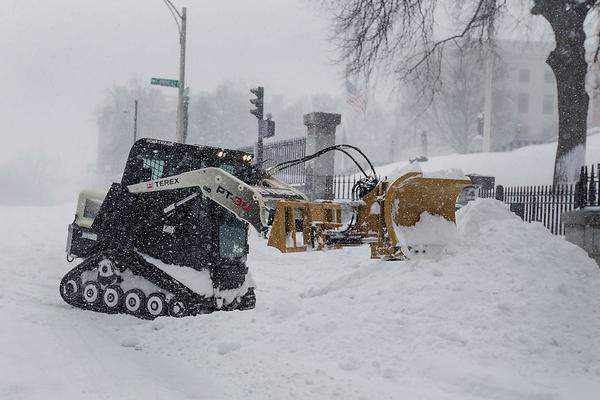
pixel 164 82
pixel 186 91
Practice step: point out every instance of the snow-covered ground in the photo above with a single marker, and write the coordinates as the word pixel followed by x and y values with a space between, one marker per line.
pixel 530 165
pixel 509 312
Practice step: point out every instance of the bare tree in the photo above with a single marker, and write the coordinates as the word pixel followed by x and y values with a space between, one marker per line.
pixel 568 63
pixel 398 36
pixel 455 114
pixel 455 111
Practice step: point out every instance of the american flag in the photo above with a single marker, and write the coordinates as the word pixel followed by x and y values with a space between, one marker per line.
pixel 354 98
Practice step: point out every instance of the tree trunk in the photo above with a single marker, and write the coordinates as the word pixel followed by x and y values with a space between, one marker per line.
pixel 568 63
pixel 572 120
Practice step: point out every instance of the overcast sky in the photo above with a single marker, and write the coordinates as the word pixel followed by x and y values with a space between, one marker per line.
pixel 59 57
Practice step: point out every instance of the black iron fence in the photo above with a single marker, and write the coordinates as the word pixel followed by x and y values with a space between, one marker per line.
pixel 588 188
pixel 546 204
pixel 284 150
pixel 541 203
pixel 342 186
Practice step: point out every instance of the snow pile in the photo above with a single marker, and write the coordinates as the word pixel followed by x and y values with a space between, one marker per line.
pixel 430 230
pixel 481 213
pixel 511 312
pixel 199 281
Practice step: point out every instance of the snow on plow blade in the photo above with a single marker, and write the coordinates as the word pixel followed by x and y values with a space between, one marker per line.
pixel 414 199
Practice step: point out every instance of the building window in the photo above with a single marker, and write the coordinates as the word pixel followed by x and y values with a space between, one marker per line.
pixel 548 104
pixel 523 103
pixel 548 76
pixel 523 75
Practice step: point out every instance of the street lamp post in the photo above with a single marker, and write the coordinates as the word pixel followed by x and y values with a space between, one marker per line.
pixel 135 118
pixel 135 115
pixel 180 131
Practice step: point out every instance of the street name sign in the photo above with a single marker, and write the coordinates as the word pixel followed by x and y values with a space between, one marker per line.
pixel 164 82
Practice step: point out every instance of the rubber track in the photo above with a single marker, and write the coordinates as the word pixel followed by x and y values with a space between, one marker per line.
pixel 122 260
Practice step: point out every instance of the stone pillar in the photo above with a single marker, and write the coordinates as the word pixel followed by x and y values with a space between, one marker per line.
pixel 319 171
pixel 582 227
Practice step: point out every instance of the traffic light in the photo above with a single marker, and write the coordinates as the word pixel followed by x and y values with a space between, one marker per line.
pixel 266 128
pixel 258 102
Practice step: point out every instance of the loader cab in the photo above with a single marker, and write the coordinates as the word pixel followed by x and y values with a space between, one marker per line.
pixel 203 232
pixel 151 159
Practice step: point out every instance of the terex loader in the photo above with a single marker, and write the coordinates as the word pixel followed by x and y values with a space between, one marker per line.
pixel 171 237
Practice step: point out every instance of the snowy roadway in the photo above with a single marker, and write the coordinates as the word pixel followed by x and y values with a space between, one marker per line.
pixel 509 313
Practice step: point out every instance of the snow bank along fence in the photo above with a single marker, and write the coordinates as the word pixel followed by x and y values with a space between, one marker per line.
pixel 547 203
pixel 541 203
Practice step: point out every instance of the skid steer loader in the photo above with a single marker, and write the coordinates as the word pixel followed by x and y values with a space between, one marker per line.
pixel 171 237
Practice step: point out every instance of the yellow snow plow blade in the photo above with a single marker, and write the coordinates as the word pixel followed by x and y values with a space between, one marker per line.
pixel 412 194
pixel 299 225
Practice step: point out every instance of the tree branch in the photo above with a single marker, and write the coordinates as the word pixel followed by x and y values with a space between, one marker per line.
pixel 398 35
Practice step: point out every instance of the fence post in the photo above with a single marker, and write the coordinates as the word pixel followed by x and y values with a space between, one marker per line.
pixel 581 189
pixel 319 171
pixel 592 191
pixel 500 192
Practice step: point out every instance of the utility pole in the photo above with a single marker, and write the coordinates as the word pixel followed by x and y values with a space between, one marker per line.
pixel 186 105
pixel 135 113
pixel 180 126
pixel 181 133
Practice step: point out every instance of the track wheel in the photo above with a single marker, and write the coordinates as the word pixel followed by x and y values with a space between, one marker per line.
pixel 106 271
pixel 156 305
pixel 248 301
pixel 135 300
pixel 112 297
pixel 231 306
pixel 177 307
pixel 70 289
pixel 92 293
